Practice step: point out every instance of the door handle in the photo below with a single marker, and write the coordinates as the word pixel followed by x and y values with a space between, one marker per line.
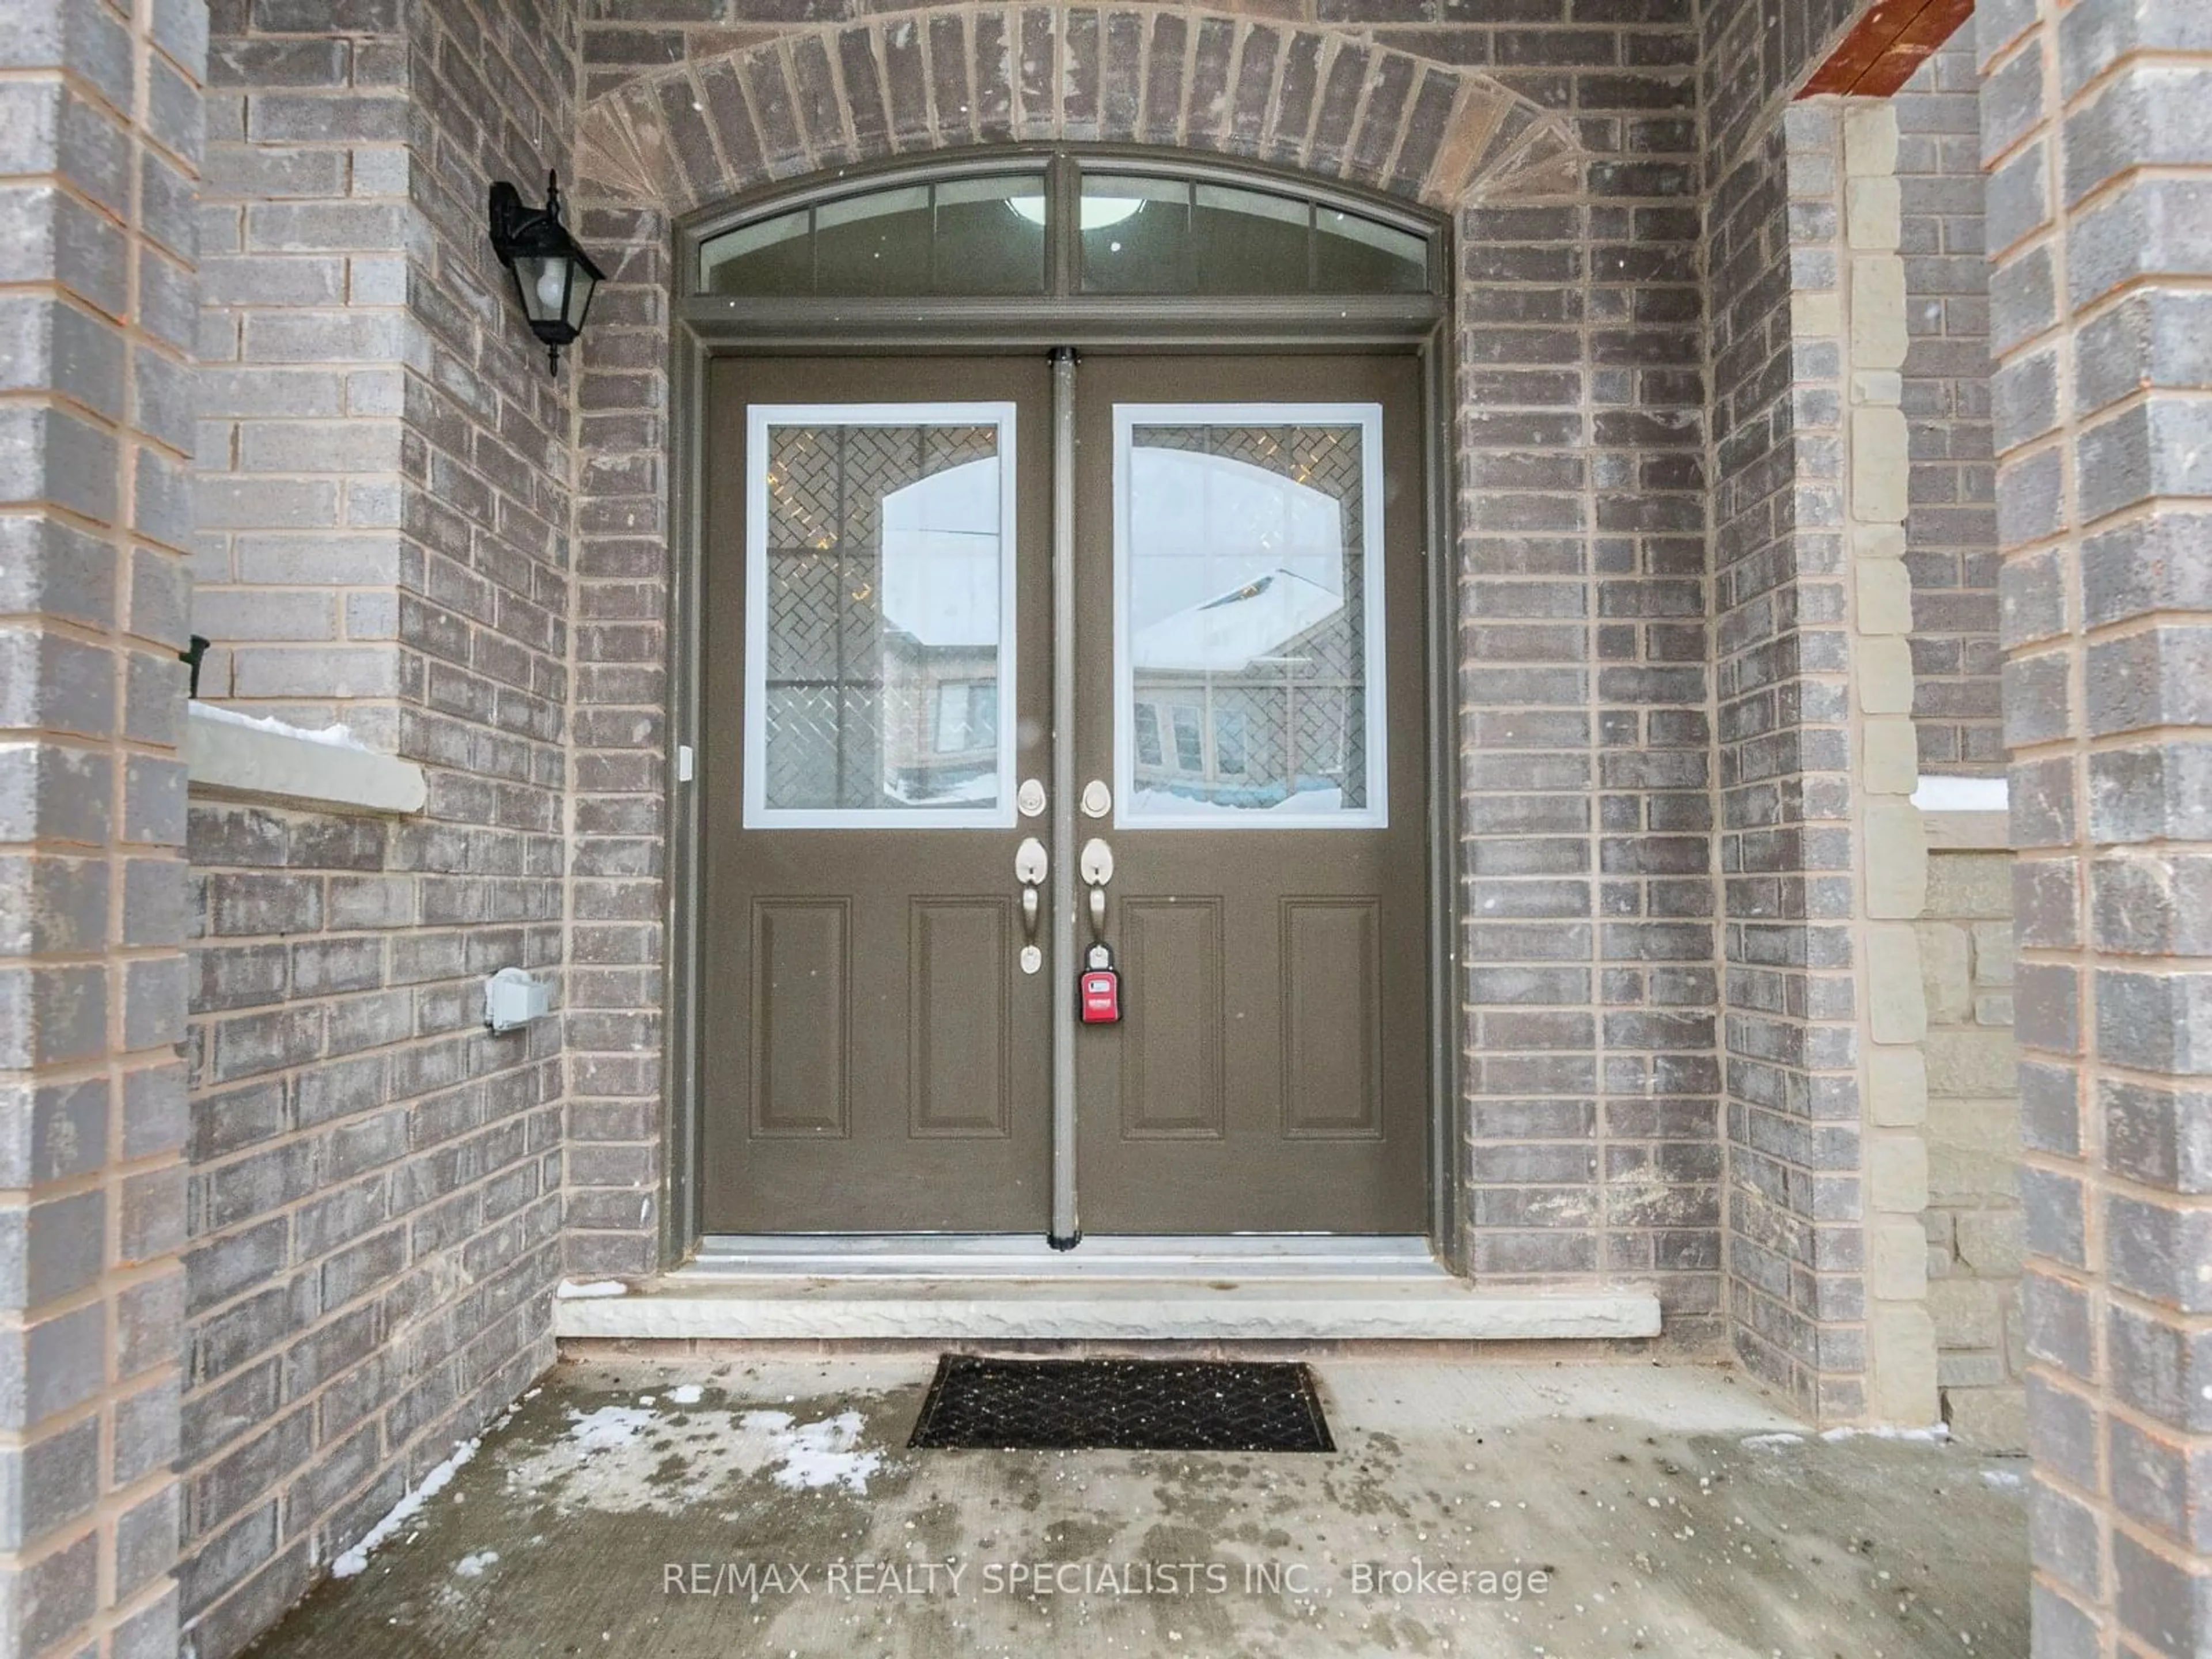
pixel 1095 866
pixel 1031 866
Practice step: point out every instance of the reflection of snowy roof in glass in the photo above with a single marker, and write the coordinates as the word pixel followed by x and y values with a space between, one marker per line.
pixel 941 546
pixel 1224 635
pixel 1201 526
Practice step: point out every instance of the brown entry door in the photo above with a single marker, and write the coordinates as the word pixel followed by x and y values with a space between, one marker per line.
pixel 876 676
pixel 877 680
pixel 1249 660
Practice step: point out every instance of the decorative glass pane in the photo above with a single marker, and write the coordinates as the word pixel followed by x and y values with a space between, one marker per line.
pixel 1190 751
pixel 1148 735
pixel 879 615
pixel 1248 657
pixel 1229 741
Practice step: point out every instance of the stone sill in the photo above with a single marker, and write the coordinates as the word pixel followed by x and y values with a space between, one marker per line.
pixel 224 758
pixel 1965 815
pixel 785 1309
pixel 1968 832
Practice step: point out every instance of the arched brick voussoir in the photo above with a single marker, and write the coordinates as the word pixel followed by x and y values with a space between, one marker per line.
pixel 1320 101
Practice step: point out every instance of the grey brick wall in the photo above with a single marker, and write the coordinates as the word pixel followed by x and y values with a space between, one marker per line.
pixel 100 149
pixel 374 1189
pixel 304 334
pixel 373 1192
pixel 1794 966
pixel 1592 1134
pixel 1780 652
pixel 2099 213
pixel 1952 532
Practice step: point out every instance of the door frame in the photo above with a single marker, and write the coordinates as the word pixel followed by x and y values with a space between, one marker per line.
pixel 706 327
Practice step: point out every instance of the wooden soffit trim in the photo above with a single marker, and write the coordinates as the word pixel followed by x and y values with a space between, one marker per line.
pixel 1894 39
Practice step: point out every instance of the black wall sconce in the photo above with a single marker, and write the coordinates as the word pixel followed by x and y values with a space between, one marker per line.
pixel 553 277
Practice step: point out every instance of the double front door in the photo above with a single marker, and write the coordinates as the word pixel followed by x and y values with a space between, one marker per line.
pixel 1242 628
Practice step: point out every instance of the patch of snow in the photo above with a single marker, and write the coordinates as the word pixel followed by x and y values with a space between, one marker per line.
pixel 631 1458
pixel 608 1427
pixel 334 737
pixel 570 1289
pixel 472 1566
pixel 1960 795
pixel 1934 1431
pixel 356 1560
pixel 1166 802
pixel 815 1455
pixel 1764 1442
pixel 2001 1478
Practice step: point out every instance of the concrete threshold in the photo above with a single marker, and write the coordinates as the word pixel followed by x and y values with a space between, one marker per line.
pixel 1392 1305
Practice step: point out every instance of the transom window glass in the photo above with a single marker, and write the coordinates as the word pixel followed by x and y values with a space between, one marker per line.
pixel 980 236
pixel 1145 235
pixel 1006 233
pixel 879 615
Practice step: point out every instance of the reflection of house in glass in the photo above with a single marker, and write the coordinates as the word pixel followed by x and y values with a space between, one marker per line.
pixel 884 603
pixel 940 638
pixel 1248 695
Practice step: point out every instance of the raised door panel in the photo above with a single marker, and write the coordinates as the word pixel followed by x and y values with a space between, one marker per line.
pixel 957 987
pixel 802 1030
pixel 1170 1037
pixel 1331 1025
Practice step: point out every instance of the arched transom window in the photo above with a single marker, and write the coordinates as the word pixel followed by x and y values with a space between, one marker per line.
pixel 1062 224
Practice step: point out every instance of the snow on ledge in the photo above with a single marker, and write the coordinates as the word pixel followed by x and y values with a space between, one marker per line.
pixel 1964 815
pixel 230 753
pixel 338 736
pixel 1960 795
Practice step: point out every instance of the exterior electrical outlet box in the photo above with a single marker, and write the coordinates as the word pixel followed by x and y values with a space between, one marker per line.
pixel 512 999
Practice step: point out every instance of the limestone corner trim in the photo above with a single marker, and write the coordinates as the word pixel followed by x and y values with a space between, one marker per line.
pixel 223 758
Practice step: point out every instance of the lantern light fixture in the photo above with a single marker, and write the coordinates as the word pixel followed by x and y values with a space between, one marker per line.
pixel 554 278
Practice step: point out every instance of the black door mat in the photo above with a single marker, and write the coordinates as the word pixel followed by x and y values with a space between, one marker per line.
pixel 1122 1405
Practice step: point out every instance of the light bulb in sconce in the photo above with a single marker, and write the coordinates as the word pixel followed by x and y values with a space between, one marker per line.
pixel 550 284
pixel 1099 212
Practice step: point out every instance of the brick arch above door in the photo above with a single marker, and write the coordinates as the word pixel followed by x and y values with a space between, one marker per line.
pixel 1324 101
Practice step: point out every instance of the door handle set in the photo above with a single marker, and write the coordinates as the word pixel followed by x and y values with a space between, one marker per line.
pixel 1033 866
pixel 1096 866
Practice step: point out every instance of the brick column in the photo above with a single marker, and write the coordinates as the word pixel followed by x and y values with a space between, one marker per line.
pixel 100 142
pixel 2100 230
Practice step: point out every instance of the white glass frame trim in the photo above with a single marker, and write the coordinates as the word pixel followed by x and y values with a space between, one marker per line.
pixel 758 814
pixel 1368 417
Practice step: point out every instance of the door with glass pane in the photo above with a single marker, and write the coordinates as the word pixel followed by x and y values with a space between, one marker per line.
pixel 1248 659
pixel 875 667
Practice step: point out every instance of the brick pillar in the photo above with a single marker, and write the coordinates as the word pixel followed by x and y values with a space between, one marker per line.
pixel 2101 232
pixel 99 141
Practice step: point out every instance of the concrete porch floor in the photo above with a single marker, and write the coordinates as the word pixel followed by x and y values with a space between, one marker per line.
pixel 1675 1512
